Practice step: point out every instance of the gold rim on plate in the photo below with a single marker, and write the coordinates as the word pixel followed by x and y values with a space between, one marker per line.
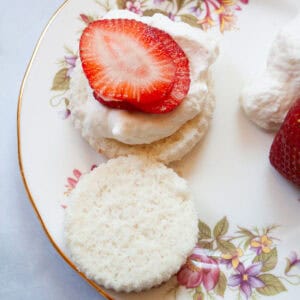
pixel 67 260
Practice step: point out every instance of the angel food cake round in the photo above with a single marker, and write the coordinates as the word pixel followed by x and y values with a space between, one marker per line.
pixel 142 85
pixel 131 223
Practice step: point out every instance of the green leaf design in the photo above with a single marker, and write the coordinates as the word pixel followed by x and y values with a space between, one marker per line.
pixel 273 285
pixel 153 11
pixel 90 19
pixel 121 4
pixel 226 247
pixel 204 230
pixel 205 245
pixel 221 285
pixel 198 296
pixel 247 243
pixel 271 228
pixel 268 260
pixel 221 228
pixel 288 266
pixel 61 81
pixel 67 102
pixel 180 4
pixel 245 232
pixel 190 19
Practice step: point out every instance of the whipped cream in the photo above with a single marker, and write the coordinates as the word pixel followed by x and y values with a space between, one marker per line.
pixel 128 127
pixel 267 100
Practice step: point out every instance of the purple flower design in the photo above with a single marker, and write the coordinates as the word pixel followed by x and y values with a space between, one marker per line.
pixel 195 10
pixel 294 260
pixel 157 2
pixel 171 16
pixel 71 63
pixel 246 279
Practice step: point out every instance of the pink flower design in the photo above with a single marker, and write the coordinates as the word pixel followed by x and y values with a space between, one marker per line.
pixel 134 6
pixel 233 3
pixel 227 20
pixel 224 9
pixel 93 167
pixel 86 19
pixel 207 21
pixel 199 269
pixel 72 182
pixel 246 279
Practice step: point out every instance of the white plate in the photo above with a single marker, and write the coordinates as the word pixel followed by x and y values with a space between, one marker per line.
pixel 229 172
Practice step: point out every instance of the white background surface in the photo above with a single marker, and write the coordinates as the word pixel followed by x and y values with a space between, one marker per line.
pixel 30 268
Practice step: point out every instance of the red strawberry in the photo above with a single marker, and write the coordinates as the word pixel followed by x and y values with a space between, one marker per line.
pixel 115 104
pixel 285 150
pixel 123 60
pixel 180 87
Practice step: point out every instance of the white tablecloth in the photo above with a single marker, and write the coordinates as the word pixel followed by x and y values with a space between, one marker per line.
pixel 30 268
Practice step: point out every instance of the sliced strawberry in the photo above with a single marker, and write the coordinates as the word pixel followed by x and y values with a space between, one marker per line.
pixel 115 104
pixel 123 61
pixel 180 87
pixel 285 150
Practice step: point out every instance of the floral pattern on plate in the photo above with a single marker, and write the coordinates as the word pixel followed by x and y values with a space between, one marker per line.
pixel 245 262
pixel 61 83
pixel 201 13
pixel 74 179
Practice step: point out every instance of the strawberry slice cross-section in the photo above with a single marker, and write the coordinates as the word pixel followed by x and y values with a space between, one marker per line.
pixel 124 61
pixel 180 87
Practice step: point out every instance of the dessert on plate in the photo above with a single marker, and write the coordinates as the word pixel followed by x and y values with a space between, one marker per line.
pixel 268 98
pixel 142 85
pixel 131 223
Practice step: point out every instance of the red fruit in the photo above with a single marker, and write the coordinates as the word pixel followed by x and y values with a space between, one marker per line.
pixel 123 60
pixel 285 150
pixel 180 87
pixel 115 104
pixel 182 78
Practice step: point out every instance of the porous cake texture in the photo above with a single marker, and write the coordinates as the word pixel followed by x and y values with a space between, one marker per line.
pixel 131 223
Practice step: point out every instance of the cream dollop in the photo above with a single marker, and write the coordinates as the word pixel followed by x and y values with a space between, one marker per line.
pixel 267 100
pixel 136 127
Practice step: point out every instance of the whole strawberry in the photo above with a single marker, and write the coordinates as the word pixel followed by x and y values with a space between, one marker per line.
pixel 285 150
